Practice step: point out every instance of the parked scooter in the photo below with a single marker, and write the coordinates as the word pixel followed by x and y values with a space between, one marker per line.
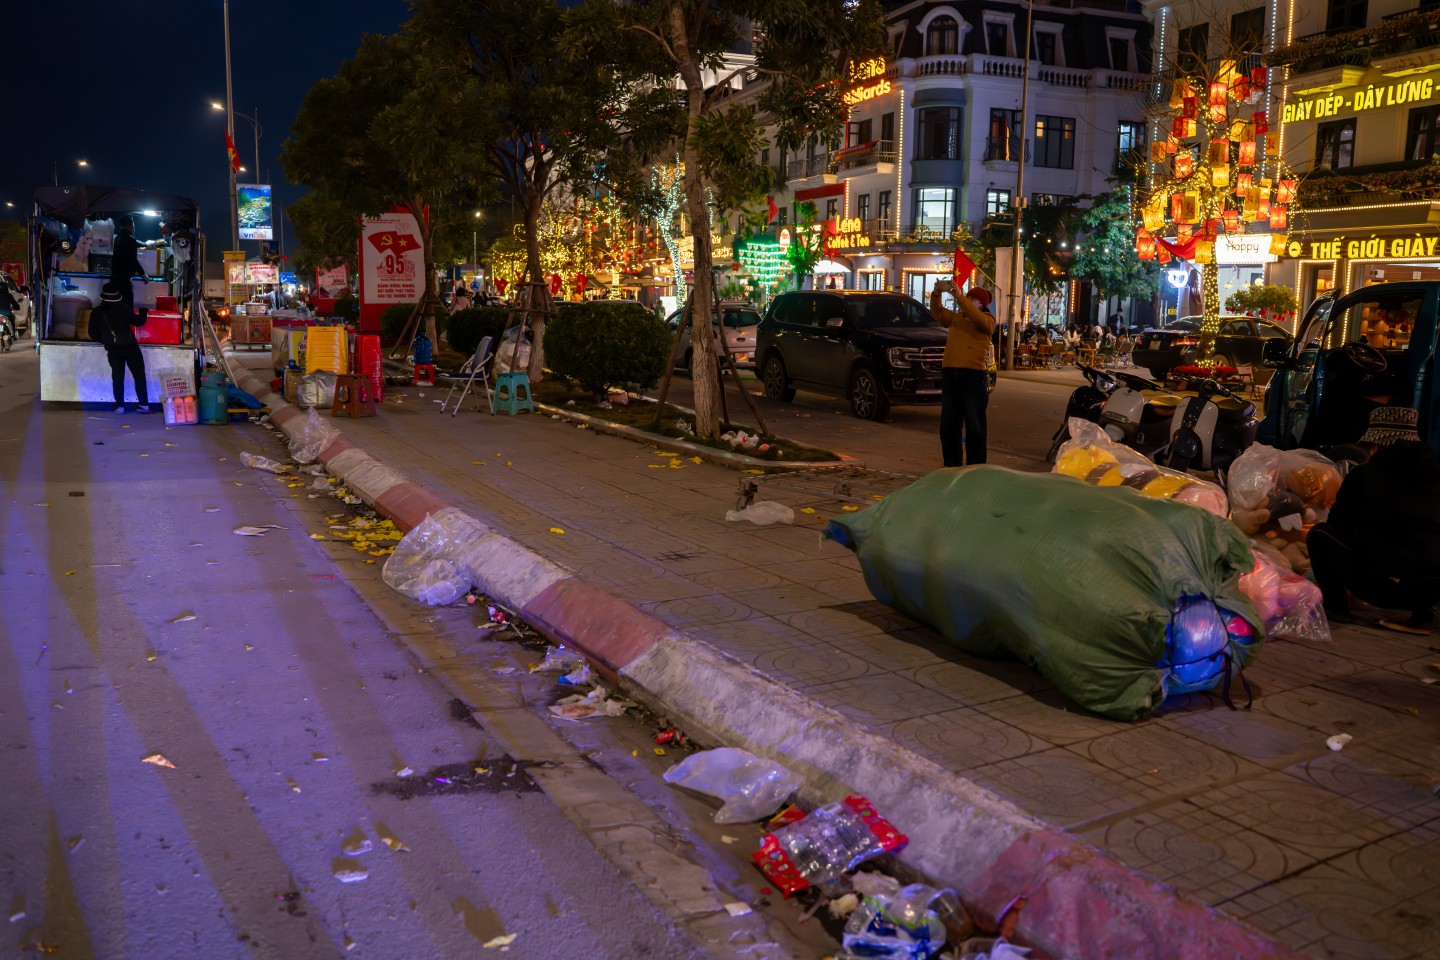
pixel 1117 403
pixel 7 332
pixel 1210 429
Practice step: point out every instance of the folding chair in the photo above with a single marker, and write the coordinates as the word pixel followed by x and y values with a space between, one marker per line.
pixel 474 367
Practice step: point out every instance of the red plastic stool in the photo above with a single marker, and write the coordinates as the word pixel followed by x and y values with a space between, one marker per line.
pixel 424 374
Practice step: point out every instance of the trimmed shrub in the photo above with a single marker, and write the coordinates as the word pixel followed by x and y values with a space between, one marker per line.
pixel 347 307
pixel 607 342
pixel 465 329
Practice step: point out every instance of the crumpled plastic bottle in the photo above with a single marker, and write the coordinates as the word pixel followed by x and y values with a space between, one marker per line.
pixel 898 926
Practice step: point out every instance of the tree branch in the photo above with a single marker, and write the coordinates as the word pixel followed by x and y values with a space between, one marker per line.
pixel 652 35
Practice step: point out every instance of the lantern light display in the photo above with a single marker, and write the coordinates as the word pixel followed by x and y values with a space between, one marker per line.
pixel 1279 219
pixel 1247 153
pixel 1184 165
pixel 1285 192
pixel 1184 232
pixel 1232 221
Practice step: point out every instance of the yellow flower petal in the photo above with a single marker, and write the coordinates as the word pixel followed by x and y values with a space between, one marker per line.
pixel 556 530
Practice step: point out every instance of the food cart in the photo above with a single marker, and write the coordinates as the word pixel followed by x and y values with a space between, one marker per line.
pixel 70 234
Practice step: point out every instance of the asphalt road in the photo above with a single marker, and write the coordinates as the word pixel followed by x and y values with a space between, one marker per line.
pixel 1022 418
pixel 202 731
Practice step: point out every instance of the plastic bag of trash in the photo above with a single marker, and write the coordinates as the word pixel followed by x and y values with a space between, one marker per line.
pixel 313 437
pixel 262 463
pixel 1091 455
pixel 1289 605
pixel 762 512
pixel 561 660
pixel 1278 495
pixel 997 948
pixel 751 787
pixel 988 556
pixel 316 389
pixel 897 926
pixel 427 565
pixel 596 702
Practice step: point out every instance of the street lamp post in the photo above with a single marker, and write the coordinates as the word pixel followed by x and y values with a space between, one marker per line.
pixel 230 130
pixel 1017 272
pixel 55 169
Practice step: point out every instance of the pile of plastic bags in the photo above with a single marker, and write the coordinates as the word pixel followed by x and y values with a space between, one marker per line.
pixel 1091 455
pixel 1278 495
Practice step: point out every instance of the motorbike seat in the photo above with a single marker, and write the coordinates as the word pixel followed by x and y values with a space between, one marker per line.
pixel 1234 411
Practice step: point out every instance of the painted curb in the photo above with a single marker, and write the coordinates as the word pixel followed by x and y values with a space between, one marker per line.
pixel 1079 902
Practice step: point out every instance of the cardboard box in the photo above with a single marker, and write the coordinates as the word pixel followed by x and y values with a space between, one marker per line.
pixel 292 383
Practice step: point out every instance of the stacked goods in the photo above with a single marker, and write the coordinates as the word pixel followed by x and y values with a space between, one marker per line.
pixel 1092 456
pixel 326 349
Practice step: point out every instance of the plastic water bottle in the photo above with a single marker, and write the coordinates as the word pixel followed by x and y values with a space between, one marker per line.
pixel 169 407
pixel 825 844
pixel 896 927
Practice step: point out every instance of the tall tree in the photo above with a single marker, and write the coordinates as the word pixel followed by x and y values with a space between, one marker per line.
pixel 1105 254
pixel 676 49
pixel 379 135
pixel 535 116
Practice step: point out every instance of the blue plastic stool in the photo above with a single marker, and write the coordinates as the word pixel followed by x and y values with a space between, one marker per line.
pixel 512 394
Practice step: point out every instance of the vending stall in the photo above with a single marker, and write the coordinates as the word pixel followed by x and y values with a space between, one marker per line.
pixel 71 232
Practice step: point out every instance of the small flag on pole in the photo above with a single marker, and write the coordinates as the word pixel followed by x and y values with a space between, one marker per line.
pixel 964 267
pixel 230 149
pixel 773 210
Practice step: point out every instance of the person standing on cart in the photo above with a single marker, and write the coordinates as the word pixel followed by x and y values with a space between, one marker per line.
pixel 112 325
pixel 965 390
pixel 125 262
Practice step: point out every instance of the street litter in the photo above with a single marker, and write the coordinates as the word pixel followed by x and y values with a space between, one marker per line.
pixel 262 463
pixel 997 949
pixel 502 942
pixel 356 844
pixel 579 706
pixel 737 909
pixel 684 427
pixel 187 615
pixel 762 512
pixel 349 871
pixel 900 925
pixel 314 436
pixel 256 531
pixel 577 677
pixel 740 440
pixel 956 549
pixel 825 845
pixel 159 760
pixel 429 563
pixel 1338 741
pixel 560 658
pixel 751 787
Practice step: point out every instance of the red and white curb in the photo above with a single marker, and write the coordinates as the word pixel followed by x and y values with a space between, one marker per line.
pixel 1072 900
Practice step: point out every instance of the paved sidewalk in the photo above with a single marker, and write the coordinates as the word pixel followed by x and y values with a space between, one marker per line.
pixel 1332 853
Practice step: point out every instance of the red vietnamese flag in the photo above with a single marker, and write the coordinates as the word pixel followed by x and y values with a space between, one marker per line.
pixel 230 150
pixel 773 210
pixel 964 268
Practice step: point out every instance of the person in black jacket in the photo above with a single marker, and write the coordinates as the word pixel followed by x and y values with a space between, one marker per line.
pixel 125 262
pixel 112 325
pixel 1381 541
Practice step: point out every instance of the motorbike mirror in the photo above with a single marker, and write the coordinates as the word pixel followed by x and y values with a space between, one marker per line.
pixel 1275 354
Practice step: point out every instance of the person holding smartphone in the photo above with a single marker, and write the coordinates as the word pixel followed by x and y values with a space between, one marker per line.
pixel 964 387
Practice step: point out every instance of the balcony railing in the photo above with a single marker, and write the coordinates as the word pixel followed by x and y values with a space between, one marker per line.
pixel 802 168
pixel 864 155
pixel 1398 33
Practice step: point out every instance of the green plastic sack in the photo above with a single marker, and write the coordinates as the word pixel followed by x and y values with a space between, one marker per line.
pixel 1080 582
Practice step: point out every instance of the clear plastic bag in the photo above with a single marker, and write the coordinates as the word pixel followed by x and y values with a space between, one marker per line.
pixel 427 564
pixel 897 926
pixel 1279 495
pixel 262 463
pixel 1289 605
pixel 751 787
pixel 762 513
pixel 1091 455
pixel 313 437
pixel 998 948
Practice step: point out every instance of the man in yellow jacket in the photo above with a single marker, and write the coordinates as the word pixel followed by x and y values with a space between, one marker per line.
pixel 964 381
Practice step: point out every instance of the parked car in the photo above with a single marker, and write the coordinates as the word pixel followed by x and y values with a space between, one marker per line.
pixel 738 318
pixel 874 348
pixel 1241 341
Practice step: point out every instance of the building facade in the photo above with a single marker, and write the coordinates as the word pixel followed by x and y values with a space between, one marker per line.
pixel 934 133
pixel 1354 90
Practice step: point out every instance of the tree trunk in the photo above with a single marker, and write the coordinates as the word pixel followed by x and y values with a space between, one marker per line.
pixel 705 366
pixel 538 298
pixel 431 295
pixel 1210 300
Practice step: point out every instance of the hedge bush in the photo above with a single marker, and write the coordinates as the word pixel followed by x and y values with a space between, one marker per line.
pixel 346 307
pixel 607 342
pixel 392 321
pixel 465 329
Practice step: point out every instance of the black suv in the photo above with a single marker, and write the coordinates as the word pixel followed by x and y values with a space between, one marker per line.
pixel 875 348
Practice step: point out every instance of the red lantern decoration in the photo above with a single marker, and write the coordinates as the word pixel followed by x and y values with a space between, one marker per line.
pixel 1183 233
pixel 1182 127
pixel 1262 209
pixel 1190 108
pixel 1262 125
pixel 1247 153
pixel 1219 152
pixel 1212 229
pixel 1145 247
pixel 1218 94
pixel 1285 192
pixel 1217 113
pixel 1279 220
pixel 1232 220
pixel 1244 183
pixel 1184 165
pixel 1257 76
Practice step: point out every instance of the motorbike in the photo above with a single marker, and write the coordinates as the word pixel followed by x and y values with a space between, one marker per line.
pixel 7 332
pixel 1210 429
pixel 1116 401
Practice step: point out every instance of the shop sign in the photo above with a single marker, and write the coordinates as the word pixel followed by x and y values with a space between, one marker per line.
pixel 1232 249
pixel 262 272
pixel 1368 248
pixel 867 81
pixel 849 234
pixel 1373 96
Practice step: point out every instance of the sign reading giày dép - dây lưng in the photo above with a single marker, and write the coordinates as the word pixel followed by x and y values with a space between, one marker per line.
pixel 1372 96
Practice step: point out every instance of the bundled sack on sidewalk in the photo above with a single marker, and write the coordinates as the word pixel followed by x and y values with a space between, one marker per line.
pixel 1278 495
pixel 1118 599
pixel 1091 455
pixel 316 390
pixel 312 438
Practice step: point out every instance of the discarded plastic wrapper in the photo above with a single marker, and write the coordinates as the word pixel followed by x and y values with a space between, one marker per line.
pixel 752 788
pixel 900 925
pixel 763 512
pixel 561 659
pixel 825 845
pixel 577 677
pixel 1091 455
pixel 313 437
pixel 262 463
pixel 1338 741
pixel 957 548
pixel 580 706
pixel 426 565
pixel 992 949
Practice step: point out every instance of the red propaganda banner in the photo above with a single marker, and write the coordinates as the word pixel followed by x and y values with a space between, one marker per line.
pixel 392 265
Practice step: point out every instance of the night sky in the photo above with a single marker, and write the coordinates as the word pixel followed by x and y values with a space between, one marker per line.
pixel 126 85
